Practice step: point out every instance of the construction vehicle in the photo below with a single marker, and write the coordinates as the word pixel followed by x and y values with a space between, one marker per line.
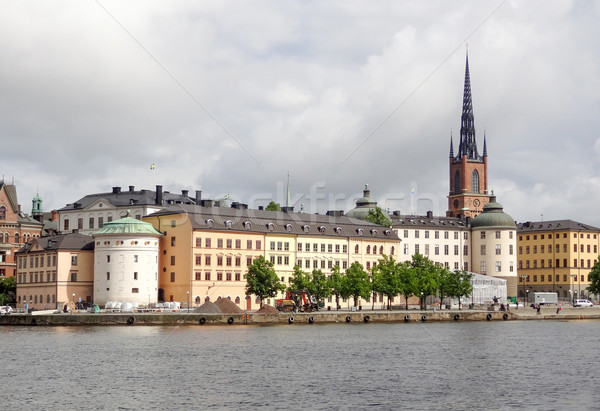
pixel 298 301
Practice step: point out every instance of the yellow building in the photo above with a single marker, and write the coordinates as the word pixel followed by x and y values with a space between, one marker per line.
pixel 556 256
pixel 55 271
pixel 205 251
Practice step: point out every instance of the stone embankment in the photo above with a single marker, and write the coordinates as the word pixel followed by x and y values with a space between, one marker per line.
pixel 321 317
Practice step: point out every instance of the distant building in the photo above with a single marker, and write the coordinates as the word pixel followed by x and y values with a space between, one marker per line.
pixel 88 214
pixel 16 228
pixel 55 271
pixel 556 256
pixel 126 262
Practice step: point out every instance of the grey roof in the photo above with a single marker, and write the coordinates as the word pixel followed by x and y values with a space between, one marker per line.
pixel 11 193
pixel 72 241
pixel 129 198
pixel 279 222
pixel 429 221
pixel 555 225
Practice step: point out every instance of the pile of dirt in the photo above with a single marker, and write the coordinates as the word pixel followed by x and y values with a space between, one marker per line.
pixel 267 309
pixel 208 308
pixel 228 306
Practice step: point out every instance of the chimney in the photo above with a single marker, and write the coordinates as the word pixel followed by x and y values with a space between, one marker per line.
pixel 198 196
pixel 159 195
pixel 261 208
pixel 239 206
pixel 430 214
pixel 131 189
pixel 287 209
pixel 184 193
pixel 116 190
pixel 335 213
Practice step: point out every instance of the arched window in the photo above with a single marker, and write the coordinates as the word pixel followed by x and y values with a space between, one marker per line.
pixel 381 249
pixel 392 250
pixel 17 238
pixel 237 300
pixel 206 299
pixel 475 183
pixel 368 249
pixel 356 249
pixel 457 183
pixel 2 213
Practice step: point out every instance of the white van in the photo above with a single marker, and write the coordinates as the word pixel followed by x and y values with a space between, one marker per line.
pixel 583 303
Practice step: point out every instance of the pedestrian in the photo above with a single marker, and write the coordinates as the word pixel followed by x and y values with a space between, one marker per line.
pixel 517 304
pixel 558 310
pixel 537 307
pixel 508 306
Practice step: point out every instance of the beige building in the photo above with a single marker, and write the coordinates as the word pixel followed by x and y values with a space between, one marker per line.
pixel 55 271
pixel 206 251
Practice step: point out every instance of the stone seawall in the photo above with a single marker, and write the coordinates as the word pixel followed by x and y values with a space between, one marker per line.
pixel 322 317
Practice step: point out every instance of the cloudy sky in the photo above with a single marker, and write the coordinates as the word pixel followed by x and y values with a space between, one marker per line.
pixel 228 97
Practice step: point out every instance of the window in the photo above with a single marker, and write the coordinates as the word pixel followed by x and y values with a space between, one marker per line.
pixel 229 243
pixel 172 277
pixel 173 223
pixel 437 249
pixel 482 251
pixel 219 276
pixel 465 250
pixel 228 261
pixel 286 246
pixel 74 277
pixel 219 243
pixel 426 233
pixel 135 258
pixel 456 251
pixel 279 260
pixel 498 266
pixel 307 263
pixel 456 237
pixel 344 248
pixel 475 182
pixel 329 248
pixel 446 249
pixel 135 275
pixel 299 246
pixel 405 233
pixel 207 276
pixel 272 245
pixel 498 249
pixel 238 261
pixel 219 260
pixel 436 234
pixel 207 243
pixel 172 260
pixel 80 223
pixel 498 234
pixel 416 248
pixel 482 267
pixel 406 249
pixel 307 247
pixel 91 222
pixel 483 235
pixel 416 233
pixel 279 245
pixel 73 260
pixel 286 260
pixel 207 260
pixel 258 244
pixel 457 189
pixel 172 241
pixel 337 248
pixel 249 244
pixel 198 276
pixel 198 260
pixel 227 276
pixel 238 243
pixel 65 224
pixel 356 249
pixel 510 249
pixel 107 276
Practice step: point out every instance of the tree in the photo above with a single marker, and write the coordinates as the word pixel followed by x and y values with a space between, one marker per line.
pixel 464 288
pixel 427 276
pixel 356 283
pixel 319 286
pixel 594 279
pixel 262 280
pixel 300 280
pixel 8 289
pixel 376 216
pixel 408 281
pixel 447 286
pixel 335 284
pixel 386 278
pixel 273 206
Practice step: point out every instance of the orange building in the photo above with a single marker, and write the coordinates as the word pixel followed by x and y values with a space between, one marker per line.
pixel 16 228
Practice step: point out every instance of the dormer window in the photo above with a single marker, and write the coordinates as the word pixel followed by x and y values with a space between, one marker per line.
pixel 270 226
pixel 210 222
pixel 228 224
pixel 247 225
pixel 338 230
pixel 373 232
pixel 360 231
pixel 305 228
pixel 288 227
pixel 322 229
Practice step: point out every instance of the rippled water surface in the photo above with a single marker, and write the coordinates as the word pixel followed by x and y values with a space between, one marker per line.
pixel 480 365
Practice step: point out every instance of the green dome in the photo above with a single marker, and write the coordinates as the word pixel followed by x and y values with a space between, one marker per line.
pixel 128 225
pixel 363 205
pixel 493 216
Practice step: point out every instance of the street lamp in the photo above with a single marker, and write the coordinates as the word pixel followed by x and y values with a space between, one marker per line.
pixel 526 297
pixel 188 296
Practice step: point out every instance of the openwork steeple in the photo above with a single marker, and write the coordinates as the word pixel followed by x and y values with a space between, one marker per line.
pixel 468 144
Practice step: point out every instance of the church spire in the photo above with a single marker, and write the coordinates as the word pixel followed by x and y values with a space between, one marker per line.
pixel 451 146
pixel 468 144
pixel 484 145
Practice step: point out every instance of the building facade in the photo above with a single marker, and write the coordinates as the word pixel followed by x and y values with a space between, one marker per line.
pixel 56 271
pixel 556 256
pixel 88 214
pixel 16 229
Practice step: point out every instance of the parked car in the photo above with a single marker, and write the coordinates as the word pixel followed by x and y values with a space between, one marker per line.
pixel 6 309
pixel 583 303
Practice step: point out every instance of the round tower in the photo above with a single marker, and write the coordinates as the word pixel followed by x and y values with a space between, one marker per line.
pixel 126 262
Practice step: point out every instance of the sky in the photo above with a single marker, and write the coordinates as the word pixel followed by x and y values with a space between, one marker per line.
pixel 229 97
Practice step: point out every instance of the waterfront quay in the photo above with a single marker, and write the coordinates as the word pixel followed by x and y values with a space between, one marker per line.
pixel 319 317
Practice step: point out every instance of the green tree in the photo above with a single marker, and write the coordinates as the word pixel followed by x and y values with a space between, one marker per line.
pixel 8 290
pixel 462 281
pixel 300 280
pixel 446 285
pixel 376 216
pixel 273 206
pixel 319 286
pixel 427 276
pixel 594 278
pixel 386 278
pixel 409 285
pixel 335 284
pixel 262 280
pixel 356 283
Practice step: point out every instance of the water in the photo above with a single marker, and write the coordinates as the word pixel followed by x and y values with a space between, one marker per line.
pixel 436 366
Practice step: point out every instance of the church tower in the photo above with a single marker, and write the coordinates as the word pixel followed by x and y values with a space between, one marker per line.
pixel 468 170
